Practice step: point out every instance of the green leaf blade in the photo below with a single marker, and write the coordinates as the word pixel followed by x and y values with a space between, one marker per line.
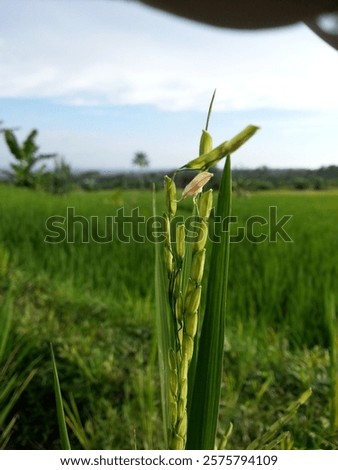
pixel 65 444
pixel 203 415
pixel 13 145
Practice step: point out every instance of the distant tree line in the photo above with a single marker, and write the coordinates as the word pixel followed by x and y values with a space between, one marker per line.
pixel 27 170
pixel 245 180
pixel 264 178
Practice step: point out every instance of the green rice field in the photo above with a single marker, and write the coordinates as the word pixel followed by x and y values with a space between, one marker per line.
pixel 94 301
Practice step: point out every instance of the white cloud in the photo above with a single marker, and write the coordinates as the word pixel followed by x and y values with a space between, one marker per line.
pixel 114 53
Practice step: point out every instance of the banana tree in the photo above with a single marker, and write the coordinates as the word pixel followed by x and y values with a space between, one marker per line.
pixel 27 157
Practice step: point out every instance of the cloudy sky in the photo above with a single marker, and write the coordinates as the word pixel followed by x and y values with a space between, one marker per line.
pixel 103 79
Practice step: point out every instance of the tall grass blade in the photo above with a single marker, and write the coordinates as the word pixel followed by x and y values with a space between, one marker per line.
pixel 65 444
pixel 331 321
pixel 14 388
pixel 6 315
pixel 13 368
pixel 165 330
pixel 224 441
pixel 271 436
pixel 73 420
pixel 282 442
pixel 203 413
pixel 6 434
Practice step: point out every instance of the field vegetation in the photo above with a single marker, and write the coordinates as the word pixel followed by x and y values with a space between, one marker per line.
pixel 95 303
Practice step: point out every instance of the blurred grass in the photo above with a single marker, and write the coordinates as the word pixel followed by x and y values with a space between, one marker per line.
pixel 96 303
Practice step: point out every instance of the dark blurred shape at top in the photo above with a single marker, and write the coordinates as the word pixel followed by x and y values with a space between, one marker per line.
pixel 246 14
pixel 257 14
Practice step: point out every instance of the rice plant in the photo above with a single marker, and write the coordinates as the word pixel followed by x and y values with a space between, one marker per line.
pixel 191 341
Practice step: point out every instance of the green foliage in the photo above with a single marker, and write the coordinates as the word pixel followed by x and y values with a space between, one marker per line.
pixel 301 183
pixel 97 307
pixel 60 180
pixel 332 326
pixel 270 438
pixel 65 445
pixel 15 372
pixel 27 158
pixel 264 376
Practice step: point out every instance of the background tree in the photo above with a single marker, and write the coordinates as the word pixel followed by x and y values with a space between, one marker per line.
pixel 60 180
pixel 141 160
pixel 27 158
